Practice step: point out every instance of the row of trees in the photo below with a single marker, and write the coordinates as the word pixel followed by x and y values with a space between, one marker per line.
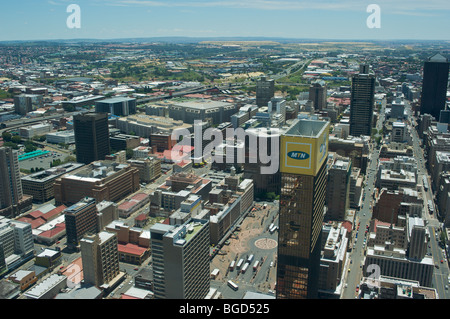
pixel 14 141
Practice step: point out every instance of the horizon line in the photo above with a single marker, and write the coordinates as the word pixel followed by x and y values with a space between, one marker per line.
pixel 198 38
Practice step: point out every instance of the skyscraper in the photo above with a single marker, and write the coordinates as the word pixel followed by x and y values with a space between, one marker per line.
pixel 91 137
pixel 81 219
pixel 265 90
pixel 181 266
pixel 277 105
pixel 318 94
pixel 338 188
pixel 100 258
pixel 434 86
pixel 362 102
pixel 12 200
pixel 303 159
pixel 25 103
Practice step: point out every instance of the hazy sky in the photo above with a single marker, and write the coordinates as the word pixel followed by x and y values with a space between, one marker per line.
pixel 323 19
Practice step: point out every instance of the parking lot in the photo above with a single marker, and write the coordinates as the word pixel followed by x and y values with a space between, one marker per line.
pixel 251 238
pixel 42 161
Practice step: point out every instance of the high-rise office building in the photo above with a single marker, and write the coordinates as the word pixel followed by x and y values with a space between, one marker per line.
pixel 16 238
pixel 338 188
pixel 81 219
pixel 265 90
pixel 362 102
pixel 303 160
pixel 12 200
pixel 181 267
pixel 318 94
pixel 417 239
pixel 434 85
pixel 253 166
pixel 10 186
pixel 25 103
pixel 277 105
pixel 91 137
pixel 3 267
pixel 100 257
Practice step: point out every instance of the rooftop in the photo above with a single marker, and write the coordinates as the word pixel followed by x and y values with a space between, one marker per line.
pixel 39 290
pixel 119 99
pixel 307 128
pixel 203 104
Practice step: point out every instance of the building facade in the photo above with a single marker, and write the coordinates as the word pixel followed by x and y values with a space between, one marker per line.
pixel 303 157
pixel 362 104
pixel 120 106
pixel 102 180
pixel 181 265
pixel 12 200
pixel 100 258
pixel 265 90
pixel 434 85
pixel 91 137
pixel 81 219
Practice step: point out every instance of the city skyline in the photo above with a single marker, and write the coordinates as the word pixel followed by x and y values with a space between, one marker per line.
pixel 325 19
pixel 264 149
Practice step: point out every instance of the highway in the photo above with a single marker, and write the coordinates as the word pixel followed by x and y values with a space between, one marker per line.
pixel 14 124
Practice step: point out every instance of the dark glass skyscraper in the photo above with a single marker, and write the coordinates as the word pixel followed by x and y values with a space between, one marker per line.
pixel 303 155
pixel 362 102
pixel 91 137
pixel 434 86
pixel 318 94
pixel 265 90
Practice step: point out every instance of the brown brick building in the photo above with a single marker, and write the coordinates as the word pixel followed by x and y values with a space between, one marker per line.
pixel 102 180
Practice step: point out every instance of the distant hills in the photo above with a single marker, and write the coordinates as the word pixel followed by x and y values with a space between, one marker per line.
pixel 187 40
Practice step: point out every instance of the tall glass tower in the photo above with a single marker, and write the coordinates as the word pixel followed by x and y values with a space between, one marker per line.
pixel 362 102
pixel 303 157
pixel 91 137
pixel 434 86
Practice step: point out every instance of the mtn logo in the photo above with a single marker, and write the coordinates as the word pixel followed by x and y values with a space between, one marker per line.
pixel 297 155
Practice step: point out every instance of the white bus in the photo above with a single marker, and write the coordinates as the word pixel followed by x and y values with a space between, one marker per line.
pixel 239 264
pixel 244 269
pixel 232 265
pixel 255 265
pixel 215 273
pixel 273 229
pixel 250 258
pixel 430 206
pixel 232 285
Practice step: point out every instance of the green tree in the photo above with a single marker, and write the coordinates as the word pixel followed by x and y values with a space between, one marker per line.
pixel 16 139
pixel 6 136
pixel 271 196
pixel 129 153
pixel 12 145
